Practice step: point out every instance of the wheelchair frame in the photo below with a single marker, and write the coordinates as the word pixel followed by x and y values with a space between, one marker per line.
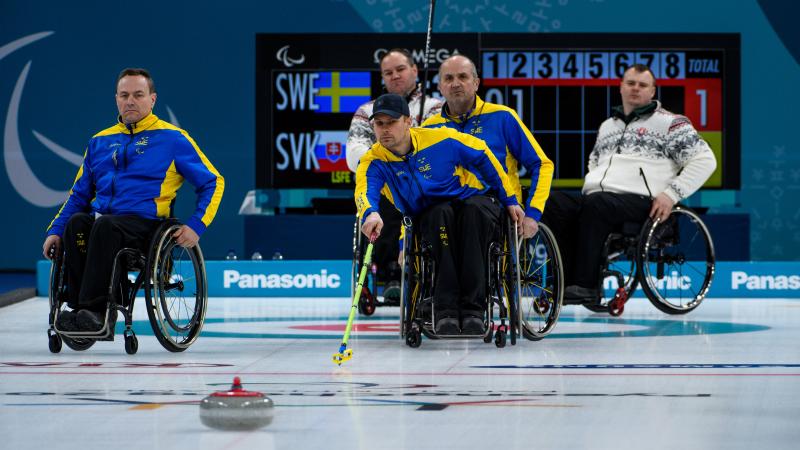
pixel 519 284
pixel 156 275
pixel 636 252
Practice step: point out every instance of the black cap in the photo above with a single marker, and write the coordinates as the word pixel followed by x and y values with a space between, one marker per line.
pixel 390 104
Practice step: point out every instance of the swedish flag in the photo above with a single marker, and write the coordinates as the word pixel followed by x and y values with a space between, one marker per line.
pixel 342 92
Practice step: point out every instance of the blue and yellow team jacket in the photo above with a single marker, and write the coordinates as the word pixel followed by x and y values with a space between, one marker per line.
pixel 438 168
pixel 511 142
pixel 138 171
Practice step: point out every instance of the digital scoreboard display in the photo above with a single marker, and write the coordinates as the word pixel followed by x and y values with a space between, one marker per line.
pixel 563 86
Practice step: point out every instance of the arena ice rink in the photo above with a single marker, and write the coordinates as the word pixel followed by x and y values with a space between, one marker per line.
pixel 725 376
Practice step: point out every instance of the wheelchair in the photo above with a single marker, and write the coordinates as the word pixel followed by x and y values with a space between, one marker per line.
pixel 673 261
pixel 372 289
pixel 174 283
pixel 525 282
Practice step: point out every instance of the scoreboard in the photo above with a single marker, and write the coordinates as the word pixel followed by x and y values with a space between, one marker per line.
pixel 563 86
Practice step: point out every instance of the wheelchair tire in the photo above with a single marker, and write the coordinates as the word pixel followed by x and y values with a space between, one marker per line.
pixel 674 257
pixel 500 339
pixel 175 290
pixel 541 276
pixel 78 344
pixel 54 343
pixel 131 344
pixel 414 338
pixel 366 302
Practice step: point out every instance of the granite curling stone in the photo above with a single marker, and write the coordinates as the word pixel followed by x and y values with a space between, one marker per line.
pixel 236 409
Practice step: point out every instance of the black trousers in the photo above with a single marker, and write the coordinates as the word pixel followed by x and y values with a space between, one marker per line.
pixel 90 246
pixel 387 247
pixel 581 225
pixel 459 232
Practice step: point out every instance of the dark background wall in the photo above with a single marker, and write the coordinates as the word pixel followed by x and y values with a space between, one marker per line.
pixel 58 62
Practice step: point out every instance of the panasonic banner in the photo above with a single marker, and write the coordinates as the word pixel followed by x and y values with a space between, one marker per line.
pixel 279 278
pixel 332 279
pixel 259 278
pixel 731 280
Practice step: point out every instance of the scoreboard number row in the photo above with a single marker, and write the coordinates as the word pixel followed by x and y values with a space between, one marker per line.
pixel 516 98
pixel 580 65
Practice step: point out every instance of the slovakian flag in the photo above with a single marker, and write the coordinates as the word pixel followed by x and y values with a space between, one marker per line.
pixel 330 151
pixel 342 92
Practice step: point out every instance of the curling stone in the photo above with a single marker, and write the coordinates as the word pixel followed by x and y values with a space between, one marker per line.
pixel 236 409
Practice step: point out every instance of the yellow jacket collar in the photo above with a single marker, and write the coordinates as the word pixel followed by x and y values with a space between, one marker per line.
pixel 137 127
pixel 476 109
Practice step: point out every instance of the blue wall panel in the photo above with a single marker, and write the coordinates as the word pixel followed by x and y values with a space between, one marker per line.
pixel 58 62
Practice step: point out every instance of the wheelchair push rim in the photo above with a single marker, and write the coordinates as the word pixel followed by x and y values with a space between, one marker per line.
pixel 176 291
pixel 676 262
pixel 541 281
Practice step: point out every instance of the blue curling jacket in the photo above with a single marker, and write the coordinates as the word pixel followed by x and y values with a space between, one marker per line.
pixel 438 168
pixel 511 142
pixel 138 169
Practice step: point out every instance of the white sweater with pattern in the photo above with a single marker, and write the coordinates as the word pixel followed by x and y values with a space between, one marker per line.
pixel 662 146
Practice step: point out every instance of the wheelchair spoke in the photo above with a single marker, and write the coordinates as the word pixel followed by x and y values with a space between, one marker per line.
pixel 175 288
pixel 540 281
pixel 678 263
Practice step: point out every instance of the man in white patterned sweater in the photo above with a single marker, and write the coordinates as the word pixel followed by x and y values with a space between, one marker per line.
pixel 399 75
pixel 644 161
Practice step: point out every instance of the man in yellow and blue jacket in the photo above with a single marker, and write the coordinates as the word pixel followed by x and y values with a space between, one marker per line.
pixel 128 182
pixel 502 130
pixel 428 174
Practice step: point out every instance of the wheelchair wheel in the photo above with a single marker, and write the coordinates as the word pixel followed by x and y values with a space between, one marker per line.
pixel 502 284
pixel 367 300
pixel 416 286
pixel 414 338
pixel 57 297
pixel 54 343
pixel 176 291
pixel 676 261
pixel 78 344
pixel 131 344
pixel 500 339
pixel 541 280
pixel 57 293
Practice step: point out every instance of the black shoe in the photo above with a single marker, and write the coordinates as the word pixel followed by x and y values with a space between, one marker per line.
pixel 392 291
pixel 67 321
pixel 94 320
pixel 472 325
pixel 447 326
pixel 576 292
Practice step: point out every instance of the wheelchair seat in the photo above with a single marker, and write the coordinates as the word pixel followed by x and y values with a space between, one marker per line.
pixel 174 283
